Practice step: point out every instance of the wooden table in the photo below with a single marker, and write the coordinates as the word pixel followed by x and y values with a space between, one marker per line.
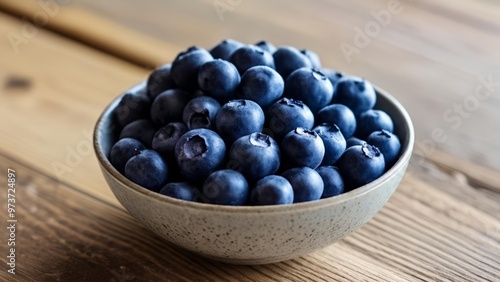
pixel 443 222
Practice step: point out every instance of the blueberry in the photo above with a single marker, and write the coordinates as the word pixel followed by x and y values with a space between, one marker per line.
pixel 219 79
pixel 185 67
pixel 122 151
pixel 340 115
pixel 198 153
pixel 373 120
pixel 200 112
pixel 302 147
pixel 250 56
pixel 132 106
pixel 147 169
pixel 168 106
pixel 143 130
pixel 286 115
pixel 181 190
pixel 388 144
pixel 333 140
pixel 226 187
pixel 353 141
pixel 166 137
pixel 333 76
pixel 309 86
pixel 238 118
pixel 266 45
pixel 356 93
pixel 334 184
pixel 255 156
pixel 159 81
pixel 287 59
pixel 360 165
pixel 307 184
pixel 225 48
pixel 313 57
pixel 262 85
pixel 272 190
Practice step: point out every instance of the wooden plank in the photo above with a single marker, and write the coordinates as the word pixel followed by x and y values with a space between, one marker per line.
pixel 104 34
pixel 421 234
pixel 48 120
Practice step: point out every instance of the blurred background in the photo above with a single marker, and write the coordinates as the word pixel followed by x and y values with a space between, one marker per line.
pixel 440 59
pixel 430 55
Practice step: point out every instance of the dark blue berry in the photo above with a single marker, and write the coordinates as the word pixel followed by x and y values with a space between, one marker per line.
pixel 185 67
pixel 340 115
pixel 143 130
pixel 287 114
pixel 250 56
pixel 219 79
pixel 200 112
pixel 356 93
pixel 307 184
pixel 361 164
pixel 168 106
pixel 272 190
pixel 147 169
pixel 302 147
pixel 287 59
pixel 181 190
pixel 334 184
pixel 238 118
pixel 388 144
pixel 226 187
pixel 122 151
pixel 132 107
pixel 198 153
pixel 166 137
pixel 159 81
pixel 262 85
pixel 255 156
pixel 225 48
pixel 309 86
pixel 373 120
pixel 333 140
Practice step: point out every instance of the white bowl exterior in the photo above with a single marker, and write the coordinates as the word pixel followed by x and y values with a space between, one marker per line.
pixel 253 237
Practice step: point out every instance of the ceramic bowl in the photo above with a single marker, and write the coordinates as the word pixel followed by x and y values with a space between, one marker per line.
pixel 255 234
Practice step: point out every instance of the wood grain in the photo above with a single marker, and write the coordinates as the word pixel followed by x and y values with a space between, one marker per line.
pixel 442 224
pixel 430 55
pixel 424 233
pixel 105 35
pixel 49 123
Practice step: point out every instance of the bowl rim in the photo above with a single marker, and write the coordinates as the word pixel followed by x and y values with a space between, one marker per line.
pixel 335 200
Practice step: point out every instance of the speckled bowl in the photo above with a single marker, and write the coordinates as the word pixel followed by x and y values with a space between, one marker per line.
pixel 261 234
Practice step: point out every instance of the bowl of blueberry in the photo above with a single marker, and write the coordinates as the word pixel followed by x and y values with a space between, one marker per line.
pixel 253 154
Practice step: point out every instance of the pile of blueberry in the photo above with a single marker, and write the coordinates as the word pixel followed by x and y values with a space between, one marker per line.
pixel 252 125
